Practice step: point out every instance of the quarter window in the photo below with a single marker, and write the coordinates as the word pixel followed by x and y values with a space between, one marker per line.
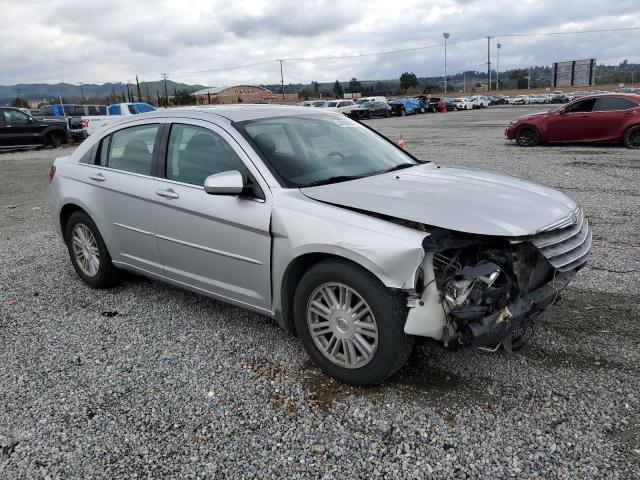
pixel 608 104
pixel 194 153
pixel 131 149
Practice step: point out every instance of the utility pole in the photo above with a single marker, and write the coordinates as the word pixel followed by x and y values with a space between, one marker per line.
pixel 529 77
pixel 489 63
pixel 20 96
pixel 166 95
pixel 464 81
pixel 281 77
pixel 499 45
pixel 445 35
pixel 82 91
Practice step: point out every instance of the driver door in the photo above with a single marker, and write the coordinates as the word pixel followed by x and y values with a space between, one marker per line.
pixel 573 123
pixel 219 244
pixel 19 128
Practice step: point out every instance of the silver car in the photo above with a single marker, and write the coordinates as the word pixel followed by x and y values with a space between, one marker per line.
pixel 321 223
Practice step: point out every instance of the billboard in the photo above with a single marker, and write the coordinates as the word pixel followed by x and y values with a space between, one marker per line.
pixel 576 73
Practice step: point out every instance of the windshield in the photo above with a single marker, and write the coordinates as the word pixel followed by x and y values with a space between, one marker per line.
pixel 306 151
pixel 331 104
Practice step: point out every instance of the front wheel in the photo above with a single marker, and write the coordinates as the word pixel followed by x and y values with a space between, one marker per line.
pixel 350 324
pixel 631 137
pixel 527 136
pixel 54 139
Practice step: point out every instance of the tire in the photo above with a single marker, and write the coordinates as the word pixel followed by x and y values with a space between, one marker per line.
pixel 369 115
pixel 527 136
pixel 422 110
pixel 54 139
pixel 402 113
pixel 631 137
pixel 386 114
pixel 386 316
pixel 106 274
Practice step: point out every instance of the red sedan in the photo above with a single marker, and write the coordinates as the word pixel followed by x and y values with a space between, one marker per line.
pixel 610 118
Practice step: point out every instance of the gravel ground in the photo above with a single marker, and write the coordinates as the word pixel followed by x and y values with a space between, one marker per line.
pixel 147 381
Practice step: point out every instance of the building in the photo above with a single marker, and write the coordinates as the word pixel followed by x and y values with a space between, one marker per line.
pixel 241 94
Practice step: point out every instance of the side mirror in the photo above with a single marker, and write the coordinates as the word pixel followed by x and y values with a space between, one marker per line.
pixel 224 183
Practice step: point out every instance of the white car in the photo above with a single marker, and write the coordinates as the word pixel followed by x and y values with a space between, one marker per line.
pixel 371 99
pixel 480 101
pixel 521 100
pixel 114 112
pixel 463 103
pixel 340 106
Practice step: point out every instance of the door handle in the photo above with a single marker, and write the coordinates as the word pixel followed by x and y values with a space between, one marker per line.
pixel 98 177
pixel 168 193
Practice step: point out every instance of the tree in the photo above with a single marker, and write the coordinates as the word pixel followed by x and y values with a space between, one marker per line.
pixel 16 102
pixel 337 89
pixel 303 94
pixel 354 86
pixel 408 80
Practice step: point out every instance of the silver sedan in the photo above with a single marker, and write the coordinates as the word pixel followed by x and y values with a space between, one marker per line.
pixel 321 223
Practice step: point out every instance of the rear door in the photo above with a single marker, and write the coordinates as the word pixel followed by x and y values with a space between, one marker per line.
pixel 610 117
pixel 121 194
pixel 573 123
pixel 219 244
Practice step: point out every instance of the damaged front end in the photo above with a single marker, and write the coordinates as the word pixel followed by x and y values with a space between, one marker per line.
pixel 478 291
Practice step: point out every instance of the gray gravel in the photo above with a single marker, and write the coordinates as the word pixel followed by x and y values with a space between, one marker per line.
pixel 148 381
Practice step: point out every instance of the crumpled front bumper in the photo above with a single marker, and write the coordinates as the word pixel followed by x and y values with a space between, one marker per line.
pixel 498 326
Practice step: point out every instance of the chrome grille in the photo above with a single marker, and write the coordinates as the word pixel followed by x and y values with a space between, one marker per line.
pixel 566 248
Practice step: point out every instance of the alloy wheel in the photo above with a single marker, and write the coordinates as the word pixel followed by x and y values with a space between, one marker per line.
pixel 342 325
pixel 85 249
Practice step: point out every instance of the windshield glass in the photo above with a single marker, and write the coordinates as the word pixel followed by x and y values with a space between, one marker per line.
pixel 331 104
pixel 306 150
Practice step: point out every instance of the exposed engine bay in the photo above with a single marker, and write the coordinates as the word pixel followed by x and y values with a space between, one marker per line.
pixel 475 289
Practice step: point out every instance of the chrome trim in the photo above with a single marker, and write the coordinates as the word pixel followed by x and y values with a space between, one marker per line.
pixel 210 250
pixel 144 232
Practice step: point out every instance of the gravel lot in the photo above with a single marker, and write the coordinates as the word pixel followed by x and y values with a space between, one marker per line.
pixel 147 381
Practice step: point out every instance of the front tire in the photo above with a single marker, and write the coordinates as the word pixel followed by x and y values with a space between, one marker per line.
pixel 350 324
pixel 527 136
pixel 54 139
pixel 88 252
pixel 631 137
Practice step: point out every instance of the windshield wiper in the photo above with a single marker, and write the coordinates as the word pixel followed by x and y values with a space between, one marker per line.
pixel 336 179
pixel 400 167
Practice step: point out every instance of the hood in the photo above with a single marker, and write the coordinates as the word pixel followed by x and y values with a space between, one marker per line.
pixel 52 120
pixel 470 201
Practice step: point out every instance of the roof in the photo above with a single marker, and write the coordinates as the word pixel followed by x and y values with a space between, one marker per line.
pixel 242 112
pixel 216 90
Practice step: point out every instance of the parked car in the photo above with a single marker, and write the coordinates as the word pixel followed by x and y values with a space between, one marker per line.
pixel 71 112
pixel 436 104
pixel 371 99
pixel 499 100
pixel 92 123
pixel 407 106
pixel 480 101
pixel 318 103
pixel 19 130
pixel 610 118
pixel 340 106
pixel 558 97
pixel 463 103
pixel 321 223
pixel 371 110
pixel 521 100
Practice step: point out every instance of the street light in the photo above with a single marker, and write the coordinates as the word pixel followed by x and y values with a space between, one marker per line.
pixel 499 45
pixel 445 35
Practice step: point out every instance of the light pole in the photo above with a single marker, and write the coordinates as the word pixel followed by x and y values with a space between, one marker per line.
pixel 445 35
pixel 499 45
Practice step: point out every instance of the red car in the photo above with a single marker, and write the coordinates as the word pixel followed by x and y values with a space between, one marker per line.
pixel 611 118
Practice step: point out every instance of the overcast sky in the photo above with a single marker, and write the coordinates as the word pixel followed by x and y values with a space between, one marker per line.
pixel 51 41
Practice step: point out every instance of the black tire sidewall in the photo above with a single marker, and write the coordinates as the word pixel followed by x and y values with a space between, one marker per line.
pixel 55 139
pixel 627 136
pixel 106 271
pixel 389 309
pixel 527 127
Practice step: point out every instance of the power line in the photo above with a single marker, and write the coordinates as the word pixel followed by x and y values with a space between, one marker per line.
pixel 575 32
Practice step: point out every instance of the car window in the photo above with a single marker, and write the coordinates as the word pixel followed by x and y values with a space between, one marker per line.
pixel 583 106
pixel 131 149
pixel 276 131
pixel 194 153
pixel 608 104
pixel 15 116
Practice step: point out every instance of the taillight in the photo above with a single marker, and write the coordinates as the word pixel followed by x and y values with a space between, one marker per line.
pixel 84 123
pixel 52 172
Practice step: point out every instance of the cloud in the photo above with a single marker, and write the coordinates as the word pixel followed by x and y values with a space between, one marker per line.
pixel 96 41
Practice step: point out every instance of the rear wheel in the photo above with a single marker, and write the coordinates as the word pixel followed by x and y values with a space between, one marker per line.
pixel 527 136
pixel 631 137
pixel 351 325
pixel 88 252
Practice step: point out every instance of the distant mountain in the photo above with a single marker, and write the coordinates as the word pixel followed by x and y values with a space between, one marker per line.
pixel 99 93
